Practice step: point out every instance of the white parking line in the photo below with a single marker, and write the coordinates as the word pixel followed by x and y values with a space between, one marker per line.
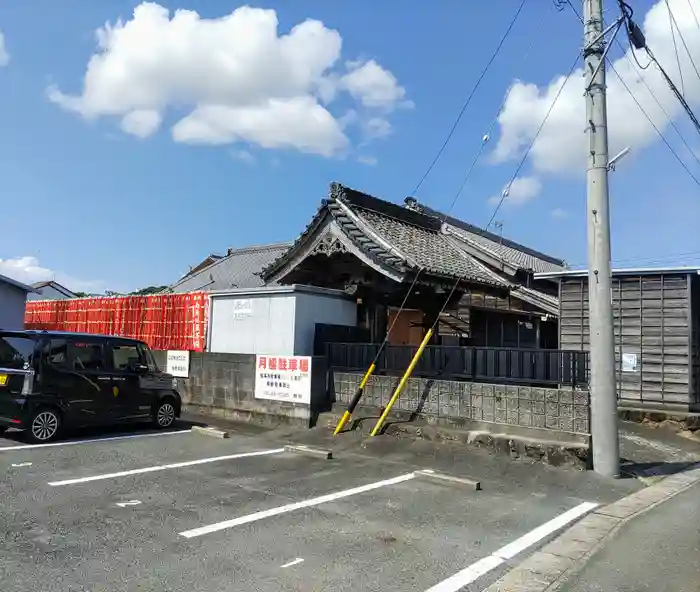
pixel 195 532
pixel 485 565
pixel 188 463
pixel 297 561
pixel 72 442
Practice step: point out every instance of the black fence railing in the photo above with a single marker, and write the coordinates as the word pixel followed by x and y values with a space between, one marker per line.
pixel 480 364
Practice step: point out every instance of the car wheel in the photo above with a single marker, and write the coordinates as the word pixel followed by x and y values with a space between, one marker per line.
pixel 44 425
pixel 164 415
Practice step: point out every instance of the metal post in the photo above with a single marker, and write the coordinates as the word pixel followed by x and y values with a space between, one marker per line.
pixel 604 423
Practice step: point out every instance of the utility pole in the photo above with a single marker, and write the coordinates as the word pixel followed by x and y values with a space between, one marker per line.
pixel 604 422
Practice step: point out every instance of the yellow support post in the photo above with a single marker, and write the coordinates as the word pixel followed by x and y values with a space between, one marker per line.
pixel 402 383
pixel 355 400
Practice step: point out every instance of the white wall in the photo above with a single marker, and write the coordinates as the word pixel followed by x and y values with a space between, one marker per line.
pixel 13 302
pixel 268 330
pixel 277 323
pixel 317 308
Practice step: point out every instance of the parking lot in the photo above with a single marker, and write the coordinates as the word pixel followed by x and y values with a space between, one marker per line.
pixel 179 511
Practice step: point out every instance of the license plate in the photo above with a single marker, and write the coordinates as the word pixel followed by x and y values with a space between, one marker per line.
pixel 3 379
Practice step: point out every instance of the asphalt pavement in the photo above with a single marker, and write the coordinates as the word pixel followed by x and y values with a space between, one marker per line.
pixel 177 511
pixel 658 551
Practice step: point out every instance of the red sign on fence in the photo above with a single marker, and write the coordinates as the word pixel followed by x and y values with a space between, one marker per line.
pixel 164 322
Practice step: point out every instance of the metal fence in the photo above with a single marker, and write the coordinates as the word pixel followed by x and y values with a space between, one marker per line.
pixel 480 364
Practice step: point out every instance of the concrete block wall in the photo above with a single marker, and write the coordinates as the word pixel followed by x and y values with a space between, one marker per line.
pixel 224 385
pixel 564 410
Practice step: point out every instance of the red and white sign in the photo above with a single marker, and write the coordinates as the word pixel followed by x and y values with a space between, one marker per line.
pixel 283 378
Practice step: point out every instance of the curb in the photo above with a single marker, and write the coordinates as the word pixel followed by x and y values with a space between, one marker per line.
pixel 206 431
pixel 548 568
pixel 308 451
pixel 435 477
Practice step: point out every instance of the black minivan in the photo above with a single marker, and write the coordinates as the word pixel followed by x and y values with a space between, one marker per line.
pixel 52 380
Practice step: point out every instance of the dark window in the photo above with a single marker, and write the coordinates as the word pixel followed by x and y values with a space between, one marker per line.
pixel 16 352
pixel 56 353
pixel 125 356
pixel 87 356
pixel 147 355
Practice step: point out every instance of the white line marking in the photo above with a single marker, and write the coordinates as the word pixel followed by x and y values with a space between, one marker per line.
pixel 72 442
pixel 487 564
pixel 297 561
pixel 188 463
pixel 129 503
pixel 24 464
pixel 195 532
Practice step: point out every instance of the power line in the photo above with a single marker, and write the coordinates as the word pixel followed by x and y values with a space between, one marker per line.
pixel 642 78
pixel 658 102
pixel 695 16
pixel 532 143
pixel 487 136
pixel 658 131
pixel 671 22
pixel 637 39
pixel 471 95
pixel 680 34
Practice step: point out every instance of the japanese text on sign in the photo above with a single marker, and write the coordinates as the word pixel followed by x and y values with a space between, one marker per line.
pixel 178 363
pixel 283 378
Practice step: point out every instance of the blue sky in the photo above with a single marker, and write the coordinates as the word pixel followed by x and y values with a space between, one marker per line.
pixel 103 208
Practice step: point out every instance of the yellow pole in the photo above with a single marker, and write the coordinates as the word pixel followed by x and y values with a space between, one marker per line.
pixel 355 400
pixel 402 383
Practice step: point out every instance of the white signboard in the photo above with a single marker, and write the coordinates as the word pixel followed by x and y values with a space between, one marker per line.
pixel 629 362
pixel 178 363
pixel 283 378
pixel 242 308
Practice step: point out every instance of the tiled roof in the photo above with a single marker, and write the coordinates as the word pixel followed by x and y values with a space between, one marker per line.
pixel 391 235
pixel 239 269
pixel 512 253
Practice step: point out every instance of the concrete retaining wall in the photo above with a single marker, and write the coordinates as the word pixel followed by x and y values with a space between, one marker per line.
pixel 550 409
pixel 223 385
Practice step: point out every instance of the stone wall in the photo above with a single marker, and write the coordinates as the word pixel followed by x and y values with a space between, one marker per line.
pixel 560 410
pixel 224 385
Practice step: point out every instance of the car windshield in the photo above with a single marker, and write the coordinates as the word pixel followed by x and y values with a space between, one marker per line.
pixel 15 351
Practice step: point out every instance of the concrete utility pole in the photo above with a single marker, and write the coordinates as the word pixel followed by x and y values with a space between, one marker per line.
pixel 604 423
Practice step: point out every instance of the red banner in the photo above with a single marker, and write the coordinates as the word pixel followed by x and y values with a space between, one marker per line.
pixel 164 322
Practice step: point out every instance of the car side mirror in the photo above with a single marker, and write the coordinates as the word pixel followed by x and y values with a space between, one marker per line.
pixel 139 368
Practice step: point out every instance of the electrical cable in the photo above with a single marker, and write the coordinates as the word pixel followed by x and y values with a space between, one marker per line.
pixel 532 143
pixel 691 151
pixel 487 136
pixel 469 98
pixel 629 91
pixel 685 45
pixel 658 131
pixel 638 40
pixel 671 22
pixel 695 16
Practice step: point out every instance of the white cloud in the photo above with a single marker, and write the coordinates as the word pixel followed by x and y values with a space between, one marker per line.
pixel 4 55
pixel 238 76
pixel 368 160
pixel 520 191
pixel 141 122
pixel 372 85
pixel 561 146
pixel 243 156
pixel 559 213
pixel 28 271
pixel 376 127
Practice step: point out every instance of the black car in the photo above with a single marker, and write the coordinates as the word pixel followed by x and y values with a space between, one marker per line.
pixel 52 380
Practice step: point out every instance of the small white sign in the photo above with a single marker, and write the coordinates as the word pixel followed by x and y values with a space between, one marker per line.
pixel 629 362
pixel 129 503
pixel 242 308
pixel 178 363
pixel 283 378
